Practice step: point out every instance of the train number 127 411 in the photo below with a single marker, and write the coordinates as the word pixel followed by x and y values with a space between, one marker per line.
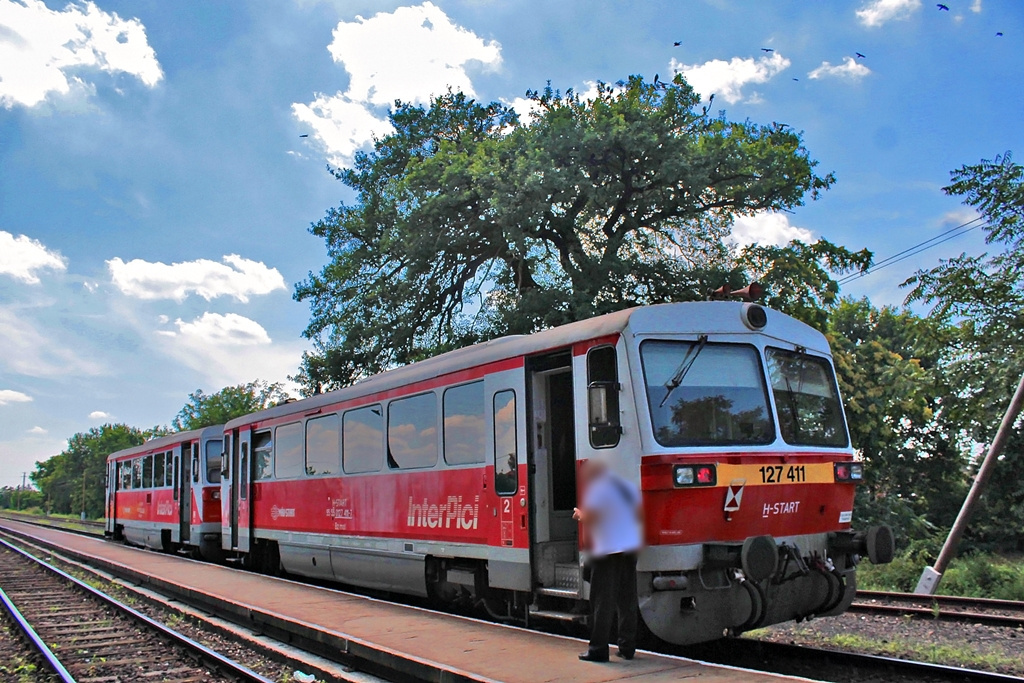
pixel 783 474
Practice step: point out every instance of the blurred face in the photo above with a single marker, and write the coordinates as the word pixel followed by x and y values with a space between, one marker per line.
pixel 592 469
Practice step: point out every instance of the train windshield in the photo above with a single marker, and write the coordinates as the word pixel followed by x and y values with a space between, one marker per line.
pixel 704 394
pixel 213 455
pixel 805 394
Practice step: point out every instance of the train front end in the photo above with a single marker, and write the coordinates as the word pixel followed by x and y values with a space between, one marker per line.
pixel 747 473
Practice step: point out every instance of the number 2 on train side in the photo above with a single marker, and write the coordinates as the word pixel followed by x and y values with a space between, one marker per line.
pixel 780 474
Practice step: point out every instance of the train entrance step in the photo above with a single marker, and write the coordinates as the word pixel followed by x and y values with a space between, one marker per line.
pixel 555 615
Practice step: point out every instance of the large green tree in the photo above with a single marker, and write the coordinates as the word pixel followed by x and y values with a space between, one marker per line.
pixel 983 298
pixel 203 410
pixel 469 223
pixel 81 468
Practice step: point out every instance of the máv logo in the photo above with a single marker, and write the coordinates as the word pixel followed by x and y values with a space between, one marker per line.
pixel 276 512
pixel 451 513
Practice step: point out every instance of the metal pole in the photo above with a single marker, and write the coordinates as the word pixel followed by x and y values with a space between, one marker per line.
pixel 931 576
pixel 83 495
pixel 21 489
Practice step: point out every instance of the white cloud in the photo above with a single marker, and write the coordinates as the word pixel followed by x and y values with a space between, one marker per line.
pixel 99 415
pixel 12 396
pixel 44 51
pixel 410 54
pixel 214 328
pixel 850 69
pixel 230 348
pixel 877 12
pixel 976 6
pixel 38 431
pixel 22 256
pixel 240 278
pixel 727 79
pixel 767 229
pixel 27 351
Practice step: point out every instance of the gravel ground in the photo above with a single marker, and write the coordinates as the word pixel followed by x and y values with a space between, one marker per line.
pixel 973 646
pixel 229 647
pixel 18 663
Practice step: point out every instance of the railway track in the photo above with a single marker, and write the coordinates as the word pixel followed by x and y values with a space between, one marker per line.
pixel 1005 613
pixel 836 665
pixel 81 634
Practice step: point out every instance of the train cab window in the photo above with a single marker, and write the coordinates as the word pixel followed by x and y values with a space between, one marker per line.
pixel 323 445
pixel 506 453
pixel 170 473
pixel 465 428
pixel 214 451
pixel 703 394
pixel 603 397
pixel 412 432
pixel 126 474
pixel 137 473
pixel 362 440
pixel 262 456
pixel 288 451
pixel 147 472
pixel 159 461
pixel 806 397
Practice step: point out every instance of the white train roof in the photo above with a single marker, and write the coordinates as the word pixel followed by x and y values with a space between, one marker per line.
pixel 159 443
pixel 698 317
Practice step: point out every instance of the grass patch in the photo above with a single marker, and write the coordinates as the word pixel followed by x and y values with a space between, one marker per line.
pixel 979 575
pixel 957 655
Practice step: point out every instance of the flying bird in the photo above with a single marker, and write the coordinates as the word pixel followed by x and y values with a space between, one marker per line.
pixel 859 55
pixel 767 49
pixel 677 43
pixel 304 135
pixel 796 79
pixel 999 33
pixel 942 8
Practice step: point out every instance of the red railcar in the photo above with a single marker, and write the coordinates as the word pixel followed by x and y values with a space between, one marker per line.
pixel 165 494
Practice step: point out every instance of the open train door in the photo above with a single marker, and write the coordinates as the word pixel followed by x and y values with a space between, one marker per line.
pixel 240 512
pixel 113 484
pixel 189 452
pixel 551 431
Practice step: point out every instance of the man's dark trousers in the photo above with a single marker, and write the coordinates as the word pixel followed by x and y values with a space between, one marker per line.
pixel 613 589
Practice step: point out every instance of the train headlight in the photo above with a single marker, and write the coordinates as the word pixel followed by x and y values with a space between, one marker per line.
pixel 683 475
pixel 852 472
pixel 694 475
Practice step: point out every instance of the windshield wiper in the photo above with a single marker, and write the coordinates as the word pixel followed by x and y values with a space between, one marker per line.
pixel 684 367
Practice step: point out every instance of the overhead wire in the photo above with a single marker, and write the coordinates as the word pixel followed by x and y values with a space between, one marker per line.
pixel 916 249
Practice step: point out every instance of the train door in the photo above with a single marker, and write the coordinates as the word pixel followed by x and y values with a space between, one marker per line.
pixel 231 478
pixel 185 491
pixel 113 484
pixel 242 517
pixel 552 453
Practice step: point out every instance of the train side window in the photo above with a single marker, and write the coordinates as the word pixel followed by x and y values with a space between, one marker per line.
pixel 214 453
pixel 288 451
pixel 323 445
pixel 506 452
pixel 362 440
pixel 126 474
pixel 412 432
pixel 137 473
pixel 603 397
pixel 159 461
pixel 172 478
pixel 243 472
pixel 147 472
pixel 262 456
pixel 465 425
pixel 195 461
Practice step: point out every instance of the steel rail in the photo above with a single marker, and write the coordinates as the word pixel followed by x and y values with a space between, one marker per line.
pixel 943 608
pixel 35 640
pixel 1011 605
pixel 221 663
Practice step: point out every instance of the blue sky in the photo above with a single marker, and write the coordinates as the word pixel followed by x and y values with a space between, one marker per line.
pixel 155 193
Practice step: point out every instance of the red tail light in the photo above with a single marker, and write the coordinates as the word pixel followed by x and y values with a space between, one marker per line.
pixel 705 474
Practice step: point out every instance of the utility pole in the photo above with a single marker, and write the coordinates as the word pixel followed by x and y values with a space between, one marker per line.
pixel 931 576
pixel 83 495
pixel 23 475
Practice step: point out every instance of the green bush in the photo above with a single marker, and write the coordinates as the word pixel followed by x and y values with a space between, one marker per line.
pixel 981 575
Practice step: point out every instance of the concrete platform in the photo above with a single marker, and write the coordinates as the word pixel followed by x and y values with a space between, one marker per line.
pixel 375 634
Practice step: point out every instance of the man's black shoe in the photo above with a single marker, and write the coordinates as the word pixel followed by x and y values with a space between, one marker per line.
pixel 593 657
pixel 627 655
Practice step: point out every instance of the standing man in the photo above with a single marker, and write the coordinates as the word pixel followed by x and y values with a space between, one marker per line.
pixel 612 516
